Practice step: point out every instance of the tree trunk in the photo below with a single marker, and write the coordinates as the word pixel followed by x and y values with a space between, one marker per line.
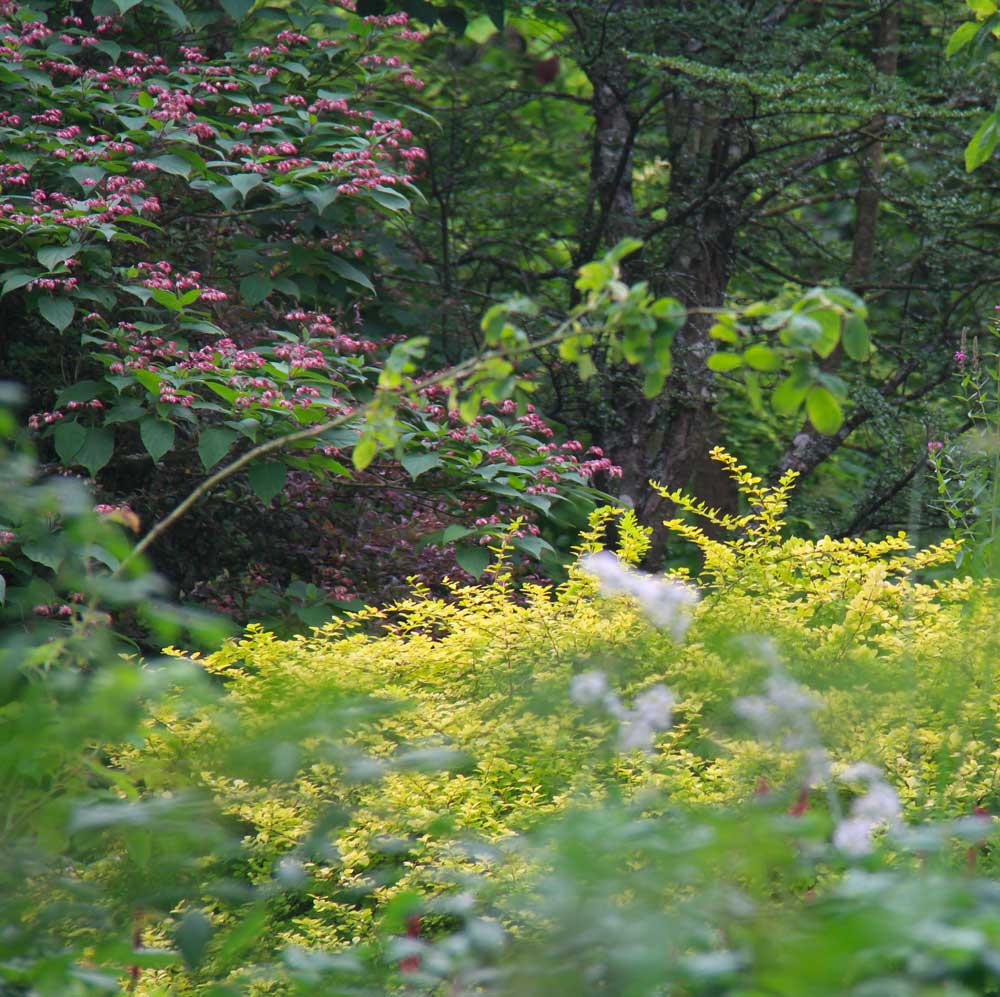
pixel 810 448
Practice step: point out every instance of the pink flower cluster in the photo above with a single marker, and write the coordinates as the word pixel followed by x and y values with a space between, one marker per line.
pixel 161 276
pixel 42 419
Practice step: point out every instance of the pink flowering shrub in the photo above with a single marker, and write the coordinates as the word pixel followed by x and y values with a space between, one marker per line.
pixel 185 233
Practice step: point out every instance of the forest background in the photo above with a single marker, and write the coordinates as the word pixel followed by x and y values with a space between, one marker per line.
pixel 755 155
pixel 364 321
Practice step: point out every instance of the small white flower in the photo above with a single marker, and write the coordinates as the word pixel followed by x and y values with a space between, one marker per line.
pixel 589 688
pixel 634 735
pixel 862 772
pixel 880 803
pixel 666 603
pixel 853 836
pixel 655 707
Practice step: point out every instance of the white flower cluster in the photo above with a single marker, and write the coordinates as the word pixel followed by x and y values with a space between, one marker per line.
pixel 652 711
pixel 786 707
pixel 667 603
pixel 878 805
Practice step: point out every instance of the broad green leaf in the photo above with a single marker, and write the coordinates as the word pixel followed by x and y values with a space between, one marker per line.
pixel 172 164
pixel 724 361
pixel 417 463
pixel 267 480
pixel 389 198
pixel 57 311
pixel 322 197
pixel 788 396
pixel 173 12
pixel 237 9
pixel 51 256
pixel 857 341
pixel 454 532
pixel 254 289
pixel 762 357
pixel 98 446
pixel 982 8
pixel 829 323
pixel 241 937
pixel 157 436
pixel 68 438
pixel 245 182
pixel 801 330
pixel 82 391
pixel 127 410
pixel 364 452
pixel 824 409
pixel 192 937
pixel 43 551
pixel 167 298
pixel 725 332
pixel 150 380
pixel 982 144
pixel 350 272
pixel 961 37
pixel 14 279
pixel 213 444
pixel 472 558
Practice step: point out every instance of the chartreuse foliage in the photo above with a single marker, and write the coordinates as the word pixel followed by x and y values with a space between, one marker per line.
pixel 488 744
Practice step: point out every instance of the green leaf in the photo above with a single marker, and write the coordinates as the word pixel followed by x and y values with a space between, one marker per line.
pixel 417 463
pixel 961 37
pixel 762 357
pixel 82 391
pixel 14 279
pixel 829 323
pixel 390 199
pixel 982 144
pixel 3 591
pixel 150 380
pixel 157 436
pixel 237 9
pixel 127 410
pixel 68 438
pixel 454 532
pixel 824 409
pixel 788 397
pixel 57 311
pixel 254 289
pixel 724 361
pixel 124 6
pixel 42 552
pixel 51 256
pixel 267 480
pixel 857 341
pixel 472 558
pixel 237 941
pixel 245 182
pixel 97 449
pixel 213 444
pixel 350 272
pixel 982 8
pixel 173 12
pixel 172 164
pixel 192 937
pixel 364 452
pixel 726 332
pixel 322 197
